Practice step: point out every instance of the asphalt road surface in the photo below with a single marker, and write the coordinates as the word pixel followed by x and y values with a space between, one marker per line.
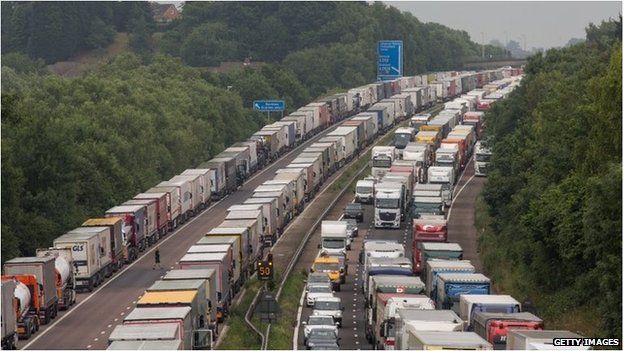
pixel 461 230
pixel 88 324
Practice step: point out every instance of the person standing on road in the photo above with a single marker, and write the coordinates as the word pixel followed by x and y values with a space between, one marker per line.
pixel 157 259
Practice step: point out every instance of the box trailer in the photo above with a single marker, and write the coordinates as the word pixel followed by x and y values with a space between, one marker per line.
pixel 42 268
pixel 162 216
pixel 134 217
pixel 173 203
pixel 119 245
pixel 208 276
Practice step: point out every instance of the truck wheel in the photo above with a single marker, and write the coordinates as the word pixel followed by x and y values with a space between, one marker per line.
pixel 28 332
pixel 90 286
pixel 46 317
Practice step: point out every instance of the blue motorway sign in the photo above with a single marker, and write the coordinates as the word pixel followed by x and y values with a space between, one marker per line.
pixel 269 105
pixel 389 59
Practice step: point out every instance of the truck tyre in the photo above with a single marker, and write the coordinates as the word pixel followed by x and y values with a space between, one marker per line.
pixel 28 332
pixel 46 316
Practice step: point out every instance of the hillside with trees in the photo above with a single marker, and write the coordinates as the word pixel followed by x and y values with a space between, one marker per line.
pixel 55 30
pixel 74 147
pixel 554 193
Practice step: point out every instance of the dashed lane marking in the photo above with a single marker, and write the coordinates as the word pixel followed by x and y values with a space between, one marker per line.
pixel 116 319
pixel 96 339
pixel 110 325
pixel 103 332
pixel 89 346
pixel 128 307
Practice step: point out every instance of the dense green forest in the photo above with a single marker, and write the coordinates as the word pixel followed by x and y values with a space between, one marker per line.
pixel 56 30
pixel 554 190
pixel 74 147
pixel 324 43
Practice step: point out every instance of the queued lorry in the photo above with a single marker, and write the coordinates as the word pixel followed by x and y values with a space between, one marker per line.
pixel 199 320
pixel 9 315
pixel 38 277
pixel 191 336
pixel 386 266
pixel 437 266
pixel 162 216
pixel 91 252
pixel 133 229
pixel 430 228
pixel 119 244
pixel 441 340
pixel 221 262
pixel 482 156
pixel 158 332
pixel 444 176
pixel 180 298
pixel 389 197
pixel 365 191
pixel 172 198
pixel 495 326
pixel 65 279
pixel 382 158
pixel 424 250
pixel 208 277
pixel 335 239
pixel 540 339
pixel 386 328
pixel 406 321
pixel 469 304
pixel 451 286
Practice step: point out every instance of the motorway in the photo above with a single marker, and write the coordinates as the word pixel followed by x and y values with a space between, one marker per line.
pixel 461 230
pixel 88 324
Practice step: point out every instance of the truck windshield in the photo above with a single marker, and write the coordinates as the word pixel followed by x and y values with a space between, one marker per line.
pixel 401 140
pixel 326 305
pixel 483 157
pixel 326 267
pixel 445 185
pixel 387 203
pixel 364 189
pixel 330 243
pixel 320 289
pixel 422 207
pixel 382 162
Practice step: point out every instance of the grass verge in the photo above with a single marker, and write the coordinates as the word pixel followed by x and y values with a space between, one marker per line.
pixel 238 335
pixel 554 309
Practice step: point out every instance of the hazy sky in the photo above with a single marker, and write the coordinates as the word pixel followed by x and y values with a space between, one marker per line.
pixel 544 24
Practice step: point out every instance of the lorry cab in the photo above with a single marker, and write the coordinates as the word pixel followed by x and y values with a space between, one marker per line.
pixel 382 158
pixel 481 159
pixel 403 136
pixel 365 191
pixel 444 176
pixel 388 205
pixel 494 327
pixel 334 237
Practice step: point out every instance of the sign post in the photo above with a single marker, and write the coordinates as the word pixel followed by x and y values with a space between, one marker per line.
pixel 389 59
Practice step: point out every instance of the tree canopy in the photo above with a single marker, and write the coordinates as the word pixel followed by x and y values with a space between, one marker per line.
pixel 554 184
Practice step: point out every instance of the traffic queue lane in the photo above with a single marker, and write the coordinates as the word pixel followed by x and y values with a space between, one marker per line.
pixel 461 230
pixel 90 321
pixel 352 333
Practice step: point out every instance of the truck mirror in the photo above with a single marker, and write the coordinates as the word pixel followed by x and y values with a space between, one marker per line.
pixel 318 246
pixel 304 323
pixel 382 330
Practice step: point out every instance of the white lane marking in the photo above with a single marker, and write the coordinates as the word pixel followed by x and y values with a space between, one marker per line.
pixel 103 332
pixel 355 335
pixel 354 328
pixel 299 310
pixel 88 346
pixel 353 315
pixel 357 343
pixel 122 313
pixel 110 325
pixel 134 302
pixel 177 231
pixel 457 195
pixel 128 307
pixel 116 319
pixel 96 339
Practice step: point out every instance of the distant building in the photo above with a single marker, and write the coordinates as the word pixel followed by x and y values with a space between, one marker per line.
pixel 164 13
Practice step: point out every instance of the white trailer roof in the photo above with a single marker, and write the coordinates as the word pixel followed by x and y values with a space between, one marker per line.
pixel 158 313
pixel 452 339
pixel 181 274
pixel 441 246
pixel 161 331
pixel 204 257
pixel 145 345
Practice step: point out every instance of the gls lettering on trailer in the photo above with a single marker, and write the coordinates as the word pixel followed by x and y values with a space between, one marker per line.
pixel 78 248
